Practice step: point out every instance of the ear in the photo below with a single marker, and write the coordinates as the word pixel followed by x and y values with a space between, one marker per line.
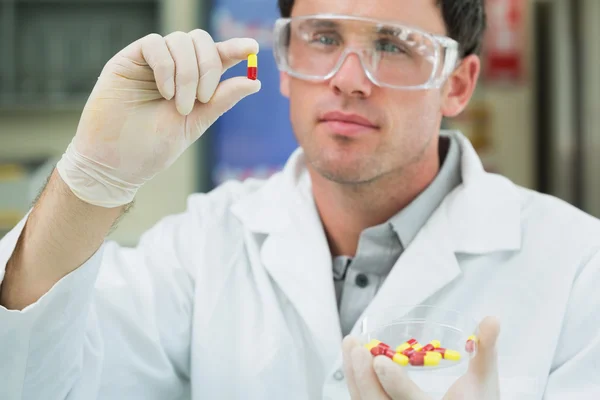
pixel 460 86
pixel 284 84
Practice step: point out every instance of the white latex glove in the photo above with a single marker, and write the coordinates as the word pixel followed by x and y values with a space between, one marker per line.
pixel 379 378
pixel 151 102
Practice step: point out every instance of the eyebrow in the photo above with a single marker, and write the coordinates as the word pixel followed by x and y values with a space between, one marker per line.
pixel 390 31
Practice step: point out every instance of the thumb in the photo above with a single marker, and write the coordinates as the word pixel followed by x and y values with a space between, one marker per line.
pixel 484 364
pixel 228 93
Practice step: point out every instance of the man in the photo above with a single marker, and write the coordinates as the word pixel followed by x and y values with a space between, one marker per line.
pixel 249 293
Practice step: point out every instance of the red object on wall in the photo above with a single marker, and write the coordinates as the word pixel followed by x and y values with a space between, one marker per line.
pixel 504 44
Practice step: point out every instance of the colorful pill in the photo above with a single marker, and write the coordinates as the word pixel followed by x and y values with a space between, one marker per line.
pixel 372 344
pixel 252 67
pixel 426 359
pixel 408 352
pixel 471 343
pixel 389 353
pixel 432 345
pixel 448 354
pixel 417 346
pixel 432 354
pixel 406 345
pixel 400 359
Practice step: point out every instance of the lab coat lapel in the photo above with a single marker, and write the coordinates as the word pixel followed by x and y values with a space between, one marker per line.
pixel 295 252
pixel 426 266
pixel 299 262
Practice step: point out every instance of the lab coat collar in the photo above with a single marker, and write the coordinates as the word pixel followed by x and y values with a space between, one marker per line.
pixel 480 216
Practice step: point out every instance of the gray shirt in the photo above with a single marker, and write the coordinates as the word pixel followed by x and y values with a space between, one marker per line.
pixel 357 280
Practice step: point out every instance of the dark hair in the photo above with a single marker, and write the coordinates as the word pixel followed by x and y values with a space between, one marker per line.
pixel 465 21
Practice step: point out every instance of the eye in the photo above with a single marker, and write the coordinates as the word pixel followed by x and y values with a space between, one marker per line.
pixel 324 39
pixel 388 46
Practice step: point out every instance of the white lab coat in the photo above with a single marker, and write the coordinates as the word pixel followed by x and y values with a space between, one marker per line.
pixel 234 299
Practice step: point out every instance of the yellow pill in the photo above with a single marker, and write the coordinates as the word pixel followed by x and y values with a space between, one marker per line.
pixel 435 343
pixel 400 359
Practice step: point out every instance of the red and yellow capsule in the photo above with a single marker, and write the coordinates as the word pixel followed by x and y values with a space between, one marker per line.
pixel 377 347
pixel 471 344
pixel 448 354
pixel 408 352
pixel 372 343
pixel 431 345
pixel 252 67
pixel 398 358
pixel 417 346
pixel 426 359
pixel 408 344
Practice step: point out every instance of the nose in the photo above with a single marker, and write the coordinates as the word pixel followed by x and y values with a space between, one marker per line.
pixel 351 79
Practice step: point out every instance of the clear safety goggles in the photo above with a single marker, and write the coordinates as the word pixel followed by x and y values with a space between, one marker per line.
pixel 314 48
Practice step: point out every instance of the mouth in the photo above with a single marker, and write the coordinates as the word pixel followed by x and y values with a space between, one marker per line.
pixel 346 124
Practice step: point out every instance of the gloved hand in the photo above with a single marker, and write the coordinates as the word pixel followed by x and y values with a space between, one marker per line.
pixel 379 378
pixel 142 113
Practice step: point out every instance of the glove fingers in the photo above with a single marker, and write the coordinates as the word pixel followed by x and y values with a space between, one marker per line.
pixel 209 64
pixel 366 380
pixel 395 381
pixel 350 343
pixel 181 48
pixel 153 51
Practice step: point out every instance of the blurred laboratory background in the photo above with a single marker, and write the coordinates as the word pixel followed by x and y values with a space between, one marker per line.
pixel 535 117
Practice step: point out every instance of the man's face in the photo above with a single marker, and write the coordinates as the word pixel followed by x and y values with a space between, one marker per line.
pixel 403 122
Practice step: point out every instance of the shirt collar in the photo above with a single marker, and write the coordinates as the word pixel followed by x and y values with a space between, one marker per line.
pixel 410 219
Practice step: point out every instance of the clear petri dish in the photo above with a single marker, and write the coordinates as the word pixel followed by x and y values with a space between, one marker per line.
pixel 396 325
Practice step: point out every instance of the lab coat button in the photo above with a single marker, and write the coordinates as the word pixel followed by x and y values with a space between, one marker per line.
pixel 339 375
pixel 362 280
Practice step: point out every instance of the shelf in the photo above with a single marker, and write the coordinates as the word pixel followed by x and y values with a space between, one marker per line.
pixel 83 2
pixel 52 51
pixel 12 103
